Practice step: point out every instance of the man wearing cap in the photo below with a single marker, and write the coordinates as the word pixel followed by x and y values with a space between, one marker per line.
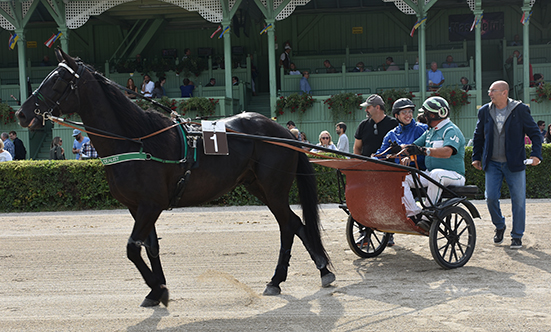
pixel 285 59
pixel 79 141
pixel 371 131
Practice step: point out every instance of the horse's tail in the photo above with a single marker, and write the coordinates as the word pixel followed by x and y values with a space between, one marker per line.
pixel 308 195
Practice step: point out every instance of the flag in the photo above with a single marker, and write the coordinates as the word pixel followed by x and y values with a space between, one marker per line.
pixel 50 42
pixel 417 25
pixel 476 21
pixel 215 32
pixel 223 32
pixel 525 18
pixel 13 40
pixel 266 28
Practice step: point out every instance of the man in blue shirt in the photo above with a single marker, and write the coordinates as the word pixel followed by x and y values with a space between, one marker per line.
pixel 8 145
pixel 304 85
pixel 435 78
pixel 78 142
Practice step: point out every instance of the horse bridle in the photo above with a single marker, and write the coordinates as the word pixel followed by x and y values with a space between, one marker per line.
pixel 62 86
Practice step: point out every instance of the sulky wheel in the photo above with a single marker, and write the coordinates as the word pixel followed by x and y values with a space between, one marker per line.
pixel 452 238
pixel 364 241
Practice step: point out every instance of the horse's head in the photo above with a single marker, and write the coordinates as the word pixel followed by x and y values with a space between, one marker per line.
pixel 57 94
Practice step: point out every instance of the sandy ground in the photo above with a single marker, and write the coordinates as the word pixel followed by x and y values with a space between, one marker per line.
pixel 69 272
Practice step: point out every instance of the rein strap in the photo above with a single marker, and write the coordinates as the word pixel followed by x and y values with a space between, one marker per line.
pixel 132 156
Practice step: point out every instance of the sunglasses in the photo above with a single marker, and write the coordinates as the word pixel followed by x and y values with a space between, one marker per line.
pixel 325 138
pixel 375 131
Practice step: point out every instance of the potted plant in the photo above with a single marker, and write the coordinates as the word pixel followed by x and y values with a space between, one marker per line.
pixel 391 95
pixel 543 93
pixel 455 96
pixel 200 106
pixel 342 105
pixel 294 103
pixel 7 114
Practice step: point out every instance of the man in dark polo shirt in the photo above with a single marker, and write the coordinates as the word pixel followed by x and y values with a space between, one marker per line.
pixel 371 131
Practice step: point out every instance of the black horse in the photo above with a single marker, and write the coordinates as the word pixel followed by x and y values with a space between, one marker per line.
pixel 147 187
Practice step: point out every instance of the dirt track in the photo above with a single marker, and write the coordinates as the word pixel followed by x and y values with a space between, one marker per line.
pixel 69 272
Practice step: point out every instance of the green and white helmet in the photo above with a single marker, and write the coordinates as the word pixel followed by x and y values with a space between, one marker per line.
pixel 436 105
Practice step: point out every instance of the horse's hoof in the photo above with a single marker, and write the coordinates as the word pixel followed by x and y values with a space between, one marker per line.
pixel 327 279
pixel 164 297
pixel 149 303
pixel 272 290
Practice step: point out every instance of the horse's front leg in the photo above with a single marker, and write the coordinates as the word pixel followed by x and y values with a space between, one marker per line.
pixel 144 234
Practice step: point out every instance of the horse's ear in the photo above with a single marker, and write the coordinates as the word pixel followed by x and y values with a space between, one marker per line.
pixel 61 56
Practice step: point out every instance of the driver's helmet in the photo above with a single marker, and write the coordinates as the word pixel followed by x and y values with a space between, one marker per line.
pixel 436 105
pixel 401 104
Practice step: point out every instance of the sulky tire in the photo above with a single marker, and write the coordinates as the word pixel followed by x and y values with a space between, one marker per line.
pixel 364 241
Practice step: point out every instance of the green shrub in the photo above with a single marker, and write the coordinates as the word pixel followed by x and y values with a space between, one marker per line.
pixel 79 185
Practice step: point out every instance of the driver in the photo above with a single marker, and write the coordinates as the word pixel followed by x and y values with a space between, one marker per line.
pixel 444 147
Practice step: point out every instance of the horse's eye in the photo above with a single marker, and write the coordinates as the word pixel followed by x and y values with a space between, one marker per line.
pixel 60 85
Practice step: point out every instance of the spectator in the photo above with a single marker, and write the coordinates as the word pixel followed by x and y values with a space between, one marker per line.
pixel 131 86
pixel 234 80
pixel 162 81
pixel 449 62
pixel 88 151
pixel 8 145
pixel 329 68
pixel 516 41
pixel 157 91
pixel 538 80
pixel 56 151
pixel 516 54
pixel 45 61
pixel 390 65
pixel 187 89
pixel 499 150
pixel 435 77
pixel 293 69
pixel 416 65
pixel 342 144
pixel 285 58
pixel 370 132
pixel 4 155
pixel 291 125
pixel 325 141
pixel 187 54
pixel 541 125
pixel 304 140
pixel 212 82
pixel 78 142
pixel 360 68
pixel 547 139
pixel 304 85
pixel 444 147
pixel 147 86
pixel 295 132
pixel 20 151
pixel 465 84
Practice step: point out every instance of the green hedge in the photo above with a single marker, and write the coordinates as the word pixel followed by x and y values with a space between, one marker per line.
pixel 79 185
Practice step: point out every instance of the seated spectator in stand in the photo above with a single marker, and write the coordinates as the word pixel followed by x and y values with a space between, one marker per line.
pixel 304 85
pixel 390 65
pixel 416 65
pixel 465 84
pixel 131 86
pixel 449 62
pixel 330 69
pixel 293 69
pixel 147 86
pixel 516 54
pixel 516 41
pixel 360 68
pixel 157 91
pixel 547 138
pixel 435 78
pixel 187 53
pixel 162 81
pixel 234 80
pixel 212 82
pixel 45 61
pixel 325 141
pixel 187 88
pixel 541 125
pixel 538 80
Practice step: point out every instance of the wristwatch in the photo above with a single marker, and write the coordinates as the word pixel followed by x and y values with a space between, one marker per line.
pixel 427 151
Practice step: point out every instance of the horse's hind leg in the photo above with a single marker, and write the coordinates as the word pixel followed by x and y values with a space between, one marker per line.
pixel 144 234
